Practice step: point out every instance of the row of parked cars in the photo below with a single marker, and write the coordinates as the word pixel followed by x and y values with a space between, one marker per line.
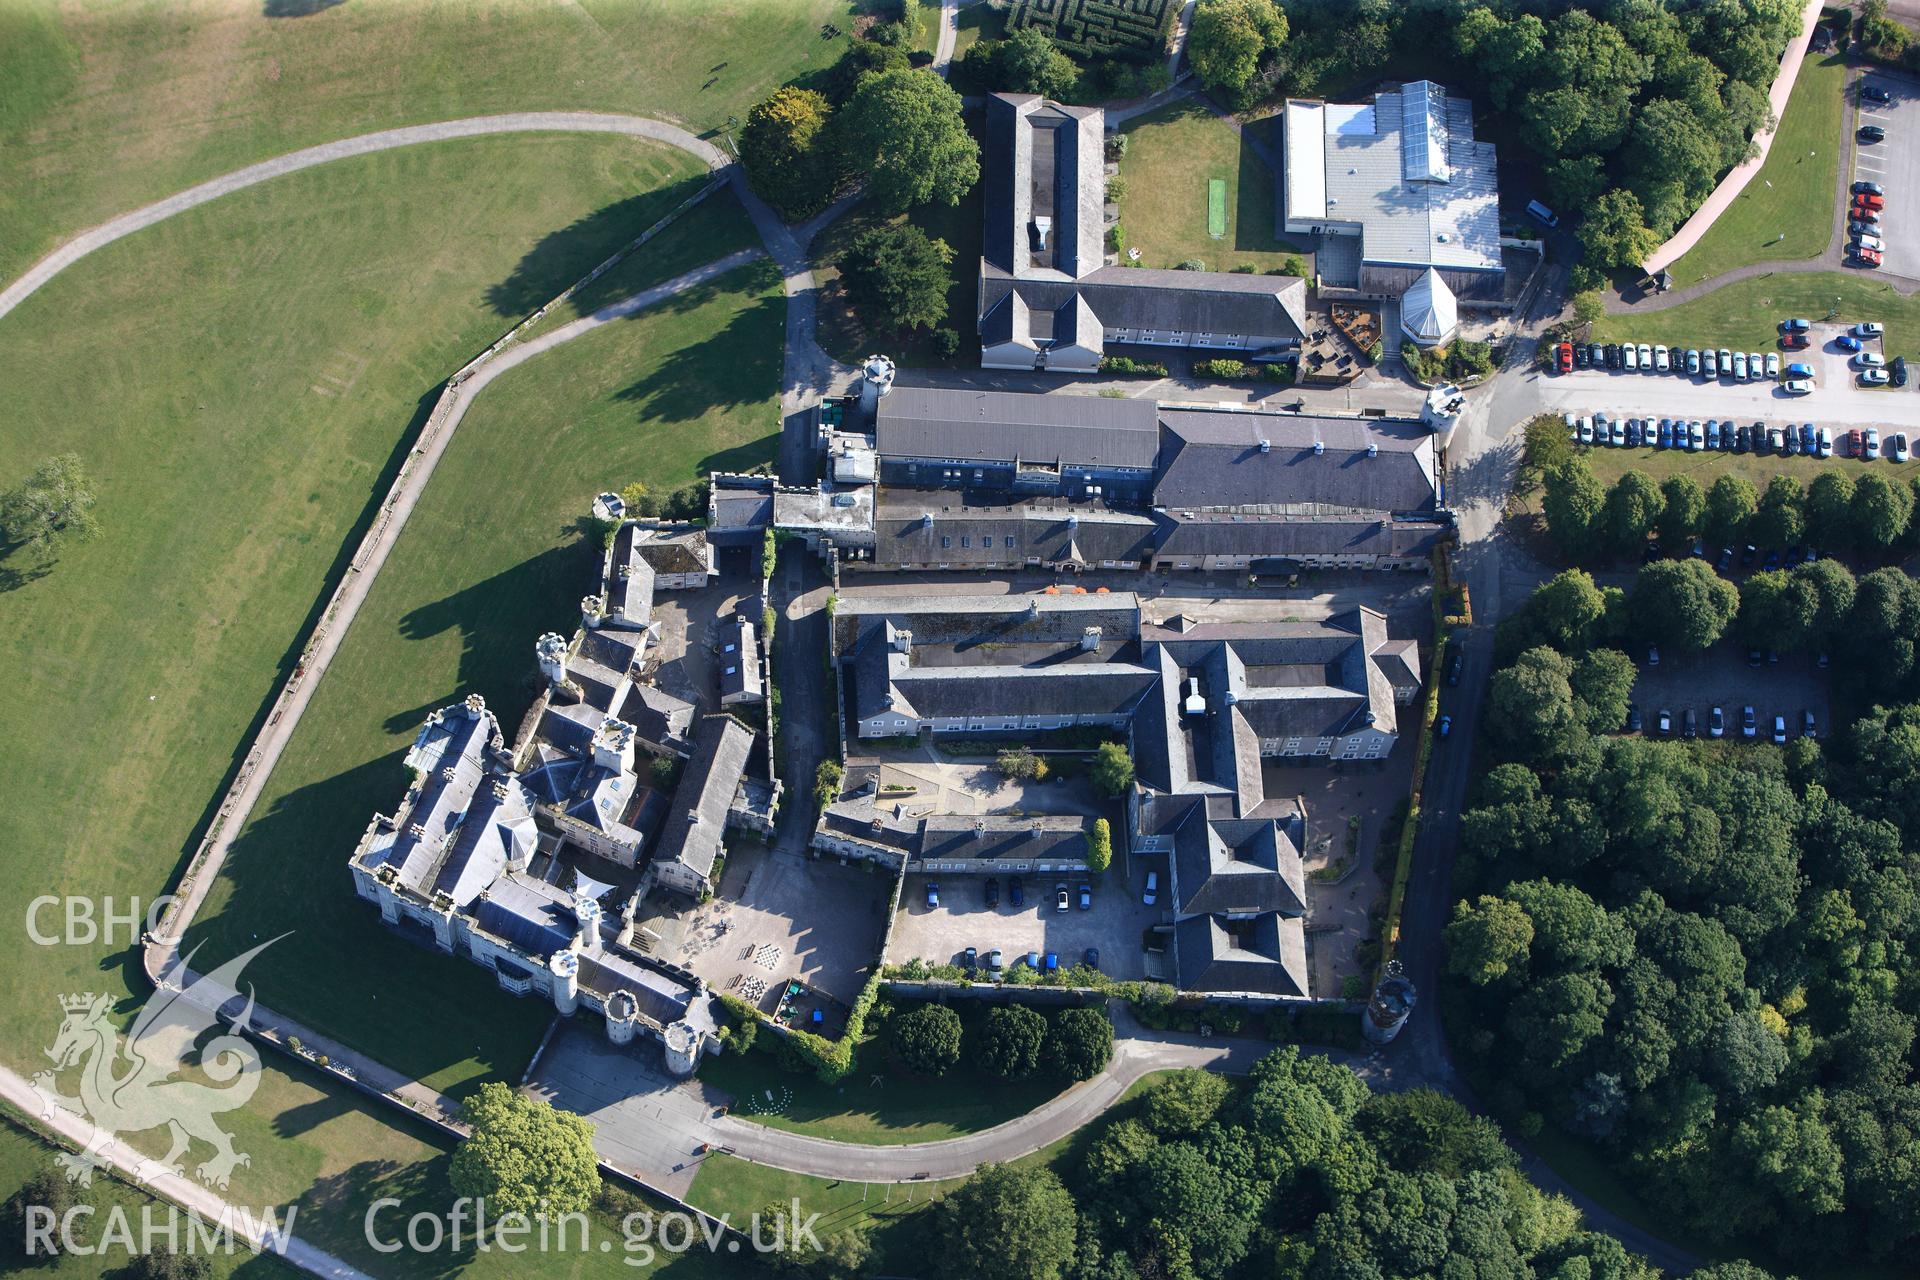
pixel 1712 435
pixel 1629 357
pixel 1865 246
pixel 1689 723
pixel 1016 894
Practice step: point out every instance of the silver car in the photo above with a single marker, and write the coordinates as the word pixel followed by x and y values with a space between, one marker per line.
pixel 1646 358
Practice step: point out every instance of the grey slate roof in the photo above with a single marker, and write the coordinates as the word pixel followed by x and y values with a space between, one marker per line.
pixel 1204 533
pixel 1053 531
pixel 657 716
pixel 1004 426
pixel 1237 866
pixel 1266 955
pixel 497 832
pixel 1214 460
pixel 528 912
pixel 1197 301
pixel 950 837
pixel 698 818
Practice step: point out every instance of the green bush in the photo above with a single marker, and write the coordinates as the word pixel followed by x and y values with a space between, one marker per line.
pixel 1221 368
pixel 1116 239
pixel 826 784
pixel 1099 846
pixel 1191 264
pixel 946 343
pixel 1282 372
pixel 1126 364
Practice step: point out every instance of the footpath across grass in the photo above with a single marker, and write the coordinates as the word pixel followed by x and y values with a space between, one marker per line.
pixel 1786 211
pixel 240 381
pixel 493 555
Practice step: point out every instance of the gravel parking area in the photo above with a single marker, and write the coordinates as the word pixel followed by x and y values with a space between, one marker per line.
pixel 940 934
pixel 1722 677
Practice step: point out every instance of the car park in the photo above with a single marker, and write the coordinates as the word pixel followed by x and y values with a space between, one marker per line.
pixel 1725 363
pixel 1716 724
pixel 1873 377
pixel 1646 358
pixel 1709 365
pixel 1664 721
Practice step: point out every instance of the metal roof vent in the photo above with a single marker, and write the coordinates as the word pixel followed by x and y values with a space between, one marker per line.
pixel 1266 445
pixel 1373 450
pixel 1319 447
pixel 926 519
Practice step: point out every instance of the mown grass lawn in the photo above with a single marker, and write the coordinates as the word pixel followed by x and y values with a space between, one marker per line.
pixel 1786 211
pixel 899 1109
pixel 492 556
pixel 1609 464
pixel 241 381
pixel 104 108
pixel 1745 315
pixel 1172 155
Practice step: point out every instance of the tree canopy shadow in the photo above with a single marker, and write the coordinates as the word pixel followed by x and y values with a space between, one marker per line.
pixel 728 368
pixel 562 257
pixel 297 8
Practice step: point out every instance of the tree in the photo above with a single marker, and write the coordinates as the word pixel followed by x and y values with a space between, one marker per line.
pixel 1589 305
pixel 1184 1102
pixel 1731 503
pixel 903 130
pixel 1602 683
pixel 786 152
pixel 927 1039
pixel 842 1255
pixel 1567 609
pixel 1830 509
pixel 1881 510
pixel 524 1156
pixel 1573 504
pixel 864 58
pixel 1633 508
pixel 1615 232
pixel 1487 941
pixel 898 276
pixel 1009 1040
pixel 1682 603
pixel 53 504
pixel 1684 510
pixel 1228 39
pixel 1006 1223
pixel 46 1189
pixel 1776 613
pixel 1099 846
pixel 1112 769
pixel 1832 588
pixel 1534 712
pixel 1020 762
pixel 1080 1043
pixel 1028 62
pixel 1780 522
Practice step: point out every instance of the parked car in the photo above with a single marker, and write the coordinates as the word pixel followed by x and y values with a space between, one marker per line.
pixel 1092 958
pixel 1772 561
pixel 1897 447
pixel 1633 718
pixel 1868 189
pixel 1060 896
pixel 1873 377
pixel 1726 363
pixel 1629 357
pixel 1868 200
pixel 1653 655
pixel 1797 387
pixel 1847 342
pixel 996 961
pixel 1152 892
pixel 993 891
pixel 1741 439
pixel 1664 722
pixel 1596 355
pixel 1809 442
pixel 1716 724
pixel 1665 438
pixel 1016 892
pixel 1870 329
pixel 1795 325
pixel 1581 359
pixel 1740 366
pixel 1709 365
pixel 1618 434
pixel 1454 663
pixel 1806 724
pixel 1633 433
pixel 1713 433
pixel 1897 371
pixel 1748 727
pixel 1693 361
pixel 1773 364
pixel 1874 93
pixel 1690 725
pixel 1789 441
pixel 1799 369
pixel 1794 341
pixel 1776 440
pixel 1870 444
pixel 1862 227
pixel 1779 731
pixel 1563 357
pixel 933 896
pixel 1871 133
pixel 970 958
pixel 1584 432
pixel 1866 241
pixel 1613 355
pixel 1856 442
pixel 1870 217
pixel 1696 437
pixel 1086 897
pixel 1866 257
pixel 1869 360
pixel 1446 725
pixel 1646 358
pixel 1661 359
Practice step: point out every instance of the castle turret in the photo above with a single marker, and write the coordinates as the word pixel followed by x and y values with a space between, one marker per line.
pixel 683 1048
pixel 1391 1005
pixel 586 913
pixel 623 1013
pixel 613 745
pixel 565 968
pixel 876 380
pixel 551 651
pixel 593 611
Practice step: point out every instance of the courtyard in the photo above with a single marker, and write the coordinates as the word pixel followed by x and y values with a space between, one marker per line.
pixel 1114 925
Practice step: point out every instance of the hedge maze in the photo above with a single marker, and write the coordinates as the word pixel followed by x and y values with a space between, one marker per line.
pixel 1136 30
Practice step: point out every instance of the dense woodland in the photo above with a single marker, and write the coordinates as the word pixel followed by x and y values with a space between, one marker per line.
pixel 1700 956
pixel 1299 1171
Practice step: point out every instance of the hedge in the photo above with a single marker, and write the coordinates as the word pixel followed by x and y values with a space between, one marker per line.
pixel 1126 364
pixel 831 1060
pixel 1137 30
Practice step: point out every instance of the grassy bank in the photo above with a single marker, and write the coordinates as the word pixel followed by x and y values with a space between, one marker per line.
pixel 1744 315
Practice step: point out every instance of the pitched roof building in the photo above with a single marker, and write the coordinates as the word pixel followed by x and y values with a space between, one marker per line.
pixel 1048 298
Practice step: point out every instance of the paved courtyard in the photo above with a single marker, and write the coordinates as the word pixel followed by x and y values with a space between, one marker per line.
pixel 940 934
pixel 689 625
pixel 778 916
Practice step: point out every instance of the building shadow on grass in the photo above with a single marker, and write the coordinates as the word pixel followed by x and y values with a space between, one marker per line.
pixel 297 8
pixel 500 617
pixel 338 1214
pixel 562 257
pixel 733 367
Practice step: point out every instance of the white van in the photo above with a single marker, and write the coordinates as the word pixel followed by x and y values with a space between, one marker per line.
pixel 1541 214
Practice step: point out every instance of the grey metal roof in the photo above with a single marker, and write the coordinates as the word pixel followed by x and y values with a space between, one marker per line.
pixel 1003 426
pixel 496 833
pixel 698 818
pixel 1222 533
pixel 535 916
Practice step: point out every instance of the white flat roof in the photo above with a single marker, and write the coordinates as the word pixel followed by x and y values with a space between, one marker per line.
pixel 1306 150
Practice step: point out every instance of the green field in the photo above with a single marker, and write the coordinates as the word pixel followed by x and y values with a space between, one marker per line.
pixel 1744 315
pixel 104 108
pixel 1172 157
pixel 1786 212
pixel 241 380
pixel 1609 464
pixel 896 1110
pixel 492 556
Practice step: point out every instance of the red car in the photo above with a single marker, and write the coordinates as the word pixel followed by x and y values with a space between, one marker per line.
pixel 1852 446
pixel 1875 203
pixel 1869 257
pixel 1563 357
pixel 1793 341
